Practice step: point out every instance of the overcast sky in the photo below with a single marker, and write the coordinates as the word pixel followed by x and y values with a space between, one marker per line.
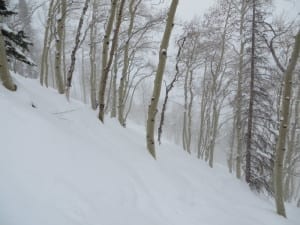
pixel 187 9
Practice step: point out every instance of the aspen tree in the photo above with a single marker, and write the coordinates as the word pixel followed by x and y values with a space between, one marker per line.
pixel 121 90
pixel 169 87
pixel 238 121
pixel 46 46
pixel 58 46
pixel 114 74
pixel 281 142
pixel 105 48
pixel 290 155
pixel 185 136
pixel 152 110
pixel 140 27
pixel 230 161
pixel 285 44
pixel 201 136
pixel 76 46
pixel 93 32
pixel 83 76
pixel 217 75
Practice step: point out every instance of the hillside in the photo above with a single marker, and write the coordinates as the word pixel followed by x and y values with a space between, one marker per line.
pixel 60 166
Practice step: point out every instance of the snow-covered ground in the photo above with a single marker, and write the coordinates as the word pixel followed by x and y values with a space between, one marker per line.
pixel 60 166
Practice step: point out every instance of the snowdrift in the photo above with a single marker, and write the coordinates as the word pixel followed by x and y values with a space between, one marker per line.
pixel 60 166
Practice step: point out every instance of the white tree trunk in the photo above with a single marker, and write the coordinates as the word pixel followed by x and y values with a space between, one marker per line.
pixel 281 142
pixel 152 110
pixel 58 46
pixel 93 66
pixel 121 89
pixel 105 48
pixel 47 40
pixel 76 46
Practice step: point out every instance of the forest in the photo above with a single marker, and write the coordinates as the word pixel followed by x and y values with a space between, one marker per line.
pixel 224 85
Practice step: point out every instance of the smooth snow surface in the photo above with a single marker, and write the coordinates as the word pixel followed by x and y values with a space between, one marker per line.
pixel 60 166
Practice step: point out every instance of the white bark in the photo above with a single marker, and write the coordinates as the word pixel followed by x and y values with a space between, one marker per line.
pixel 47 40
pixel 58 46
pixel 281 142
pixel 107 63
pixel 152 110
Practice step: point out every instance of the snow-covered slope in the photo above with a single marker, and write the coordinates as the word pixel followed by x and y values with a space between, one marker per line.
pixel 60 166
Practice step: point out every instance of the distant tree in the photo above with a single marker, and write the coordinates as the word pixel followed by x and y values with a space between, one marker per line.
pixel 76 46
pixel 169 87
pixel 237 136
pixel 93 34
pixel 48 37
pixel 133 6
pixel 136 41
pixel 25 12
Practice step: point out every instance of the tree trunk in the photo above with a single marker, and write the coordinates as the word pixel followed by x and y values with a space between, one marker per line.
pixel 113 113
pixel 217 75
pixel 76 46
pixel 168 89
pixel 214 130
pixel 121 89
pixel 107 64
pixel 152 110
pixel 189 114
pixel 251 101
pixel 281 145
pixel 58 46
pixel 239 99
pixel 232 144
pixel 291 149
pixel 47 38
pixel 93 66
pixel 4 71
pixel 83 76
pixel 185 110
pixel 202 116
